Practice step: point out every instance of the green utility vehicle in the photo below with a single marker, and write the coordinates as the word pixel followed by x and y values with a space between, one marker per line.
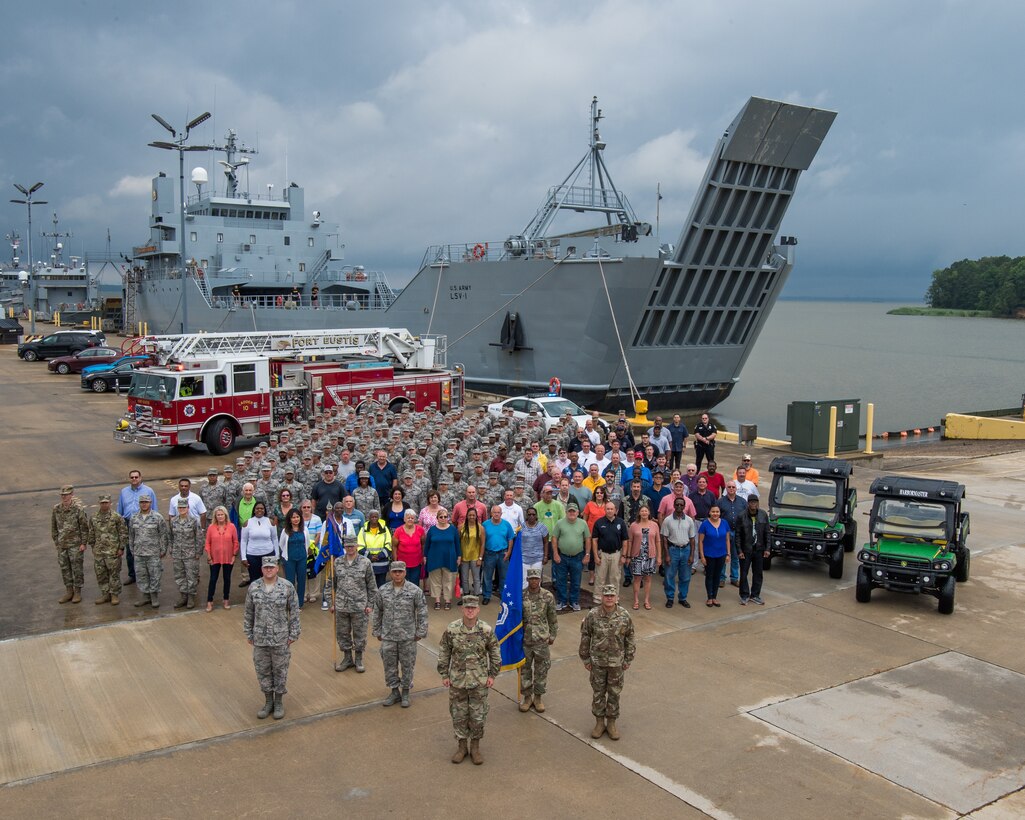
pixel 917 539
pixel 811 511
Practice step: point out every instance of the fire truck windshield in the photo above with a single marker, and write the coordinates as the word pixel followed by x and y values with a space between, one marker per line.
pixel 148 386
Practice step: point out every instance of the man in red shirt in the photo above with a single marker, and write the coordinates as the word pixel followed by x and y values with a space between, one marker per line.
pixel 716 480
pixel 459 511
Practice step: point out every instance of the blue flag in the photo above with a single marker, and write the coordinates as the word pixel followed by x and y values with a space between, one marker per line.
pixel 509 627
pixel 330 546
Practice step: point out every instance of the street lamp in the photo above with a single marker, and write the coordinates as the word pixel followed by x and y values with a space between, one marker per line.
pixel 29 202
pixel 178 144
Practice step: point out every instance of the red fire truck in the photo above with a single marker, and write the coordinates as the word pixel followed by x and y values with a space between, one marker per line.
pixel 214 388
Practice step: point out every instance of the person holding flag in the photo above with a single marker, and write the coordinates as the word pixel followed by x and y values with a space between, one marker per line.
pixel 540 626
pixel 509 626
pixel 334 530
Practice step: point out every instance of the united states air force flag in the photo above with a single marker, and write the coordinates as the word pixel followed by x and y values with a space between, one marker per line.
pixel 330 546
pixel 509 626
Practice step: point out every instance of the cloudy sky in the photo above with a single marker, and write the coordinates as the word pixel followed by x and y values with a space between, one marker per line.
pixel 413 123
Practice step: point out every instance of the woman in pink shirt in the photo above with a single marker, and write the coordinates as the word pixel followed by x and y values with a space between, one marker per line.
pixel 408 546
pixel 221 549
pixel 645 553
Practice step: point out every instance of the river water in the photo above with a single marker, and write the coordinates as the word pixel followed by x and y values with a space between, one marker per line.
pixel 915 369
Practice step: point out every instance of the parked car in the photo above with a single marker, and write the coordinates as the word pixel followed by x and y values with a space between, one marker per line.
pixel 61 343
pixel 118 377
pixel 82 359
pixel 136 359
pixel 550 408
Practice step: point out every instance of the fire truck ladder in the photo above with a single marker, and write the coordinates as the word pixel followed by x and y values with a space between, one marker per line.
pixel 397 344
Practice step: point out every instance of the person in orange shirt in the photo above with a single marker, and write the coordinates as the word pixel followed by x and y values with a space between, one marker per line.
pixel 752 473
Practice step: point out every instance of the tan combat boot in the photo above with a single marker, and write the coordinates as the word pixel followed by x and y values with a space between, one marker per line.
pixel 525 703
pixel 67 596
pixel 191 603
pixel 475 752
pixel 76 596
pixel 539 705
pixel 610 728
pixel 114 600
pixel 599 727
pixel 460 754
pixel 183 599
pixel 103 599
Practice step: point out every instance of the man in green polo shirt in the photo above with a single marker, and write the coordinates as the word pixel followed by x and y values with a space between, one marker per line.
pixel 569 544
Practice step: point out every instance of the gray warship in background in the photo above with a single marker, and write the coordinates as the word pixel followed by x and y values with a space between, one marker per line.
pixel 610 311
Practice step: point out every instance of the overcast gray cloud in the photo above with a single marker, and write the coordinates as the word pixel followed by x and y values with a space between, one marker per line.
pixel 414 124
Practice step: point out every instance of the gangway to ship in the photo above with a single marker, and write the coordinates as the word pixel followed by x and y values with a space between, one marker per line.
pixel 395 344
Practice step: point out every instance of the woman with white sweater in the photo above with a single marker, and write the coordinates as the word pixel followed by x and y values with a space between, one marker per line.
pixel 259 539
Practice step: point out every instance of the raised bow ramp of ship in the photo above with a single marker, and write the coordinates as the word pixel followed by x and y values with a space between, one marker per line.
pixel 708 304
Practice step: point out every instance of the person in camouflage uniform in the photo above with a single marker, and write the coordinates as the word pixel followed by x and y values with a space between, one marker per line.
pixel 607 648
pixel 399 621
pixel 540 628
pixel 187 542
pixel 468 662
pixel 214 493
pixel 364 495
pixel 354 589
pixel 69 529
pixel 271 625
pixel 148 538
pixel 108 537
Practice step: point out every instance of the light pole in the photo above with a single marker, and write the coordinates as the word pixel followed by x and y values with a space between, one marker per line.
pixel 28 201
pixel 179 145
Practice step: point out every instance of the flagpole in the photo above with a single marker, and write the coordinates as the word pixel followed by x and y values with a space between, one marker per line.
pixel 334 617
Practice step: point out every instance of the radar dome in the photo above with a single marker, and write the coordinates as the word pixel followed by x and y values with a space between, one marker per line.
pixel 199 176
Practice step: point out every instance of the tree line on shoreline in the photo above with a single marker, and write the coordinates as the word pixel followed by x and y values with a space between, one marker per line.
pixel 995 284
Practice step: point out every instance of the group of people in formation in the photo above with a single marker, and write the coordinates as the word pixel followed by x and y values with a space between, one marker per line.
pixel 425 503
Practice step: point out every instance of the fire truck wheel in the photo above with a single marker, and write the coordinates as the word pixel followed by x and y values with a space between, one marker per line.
pixel 220 438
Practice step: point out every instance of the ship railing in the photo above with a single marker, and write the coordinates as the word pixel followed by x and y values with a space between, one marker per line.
pixel 516 247
pixel 326 301
pixel 593 199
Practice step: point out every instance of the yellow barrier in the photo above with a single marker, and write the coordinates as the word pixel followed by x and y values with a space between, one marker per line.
pixel 980 427
pixel 831 453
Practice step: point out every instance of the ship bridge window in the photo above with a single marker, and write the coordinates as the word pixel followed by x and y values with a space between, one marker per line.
pixel 233 212
pixel 249 214
pixel 288 240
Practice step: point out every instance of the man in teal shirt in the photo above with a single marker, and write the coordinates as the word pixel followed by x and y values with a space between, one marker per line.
pixel 569 545
pixel 498 542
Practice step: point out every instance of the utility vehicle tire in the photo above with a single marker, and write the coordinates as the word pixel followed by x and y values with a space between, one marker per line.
pixel 836 566
pixel 963 568
pixel 850 539
pixel 947 590
pixel 863 590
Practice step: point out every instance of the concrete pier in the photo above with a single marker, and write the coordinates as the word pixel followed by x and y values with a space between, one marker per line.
pixel 813 706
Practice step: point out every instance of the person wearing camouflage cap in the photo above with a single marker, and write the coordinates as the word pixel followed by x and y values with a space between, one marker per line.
pixel 607 648
pixel 69 529
pixel 469 660
pixel 540 628
pixel 271 625
pixel 108 537
pixel 354 590
pixel 399 621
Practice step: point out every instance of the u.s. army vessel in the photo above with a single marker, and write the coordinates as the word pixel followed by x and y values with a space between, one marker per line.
pixel 607 310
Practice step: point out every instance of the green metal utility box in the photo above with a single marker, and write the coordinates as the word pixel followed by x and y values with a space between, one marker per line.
pixel 808 425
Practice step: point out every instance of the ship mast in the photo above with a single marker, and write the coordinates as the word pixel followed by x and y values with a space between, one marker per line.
pixel 232 162
pixel 600 195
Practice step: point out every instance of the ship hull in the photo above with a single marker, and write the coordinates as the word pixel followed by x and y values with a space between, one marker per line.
pixel 562 307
